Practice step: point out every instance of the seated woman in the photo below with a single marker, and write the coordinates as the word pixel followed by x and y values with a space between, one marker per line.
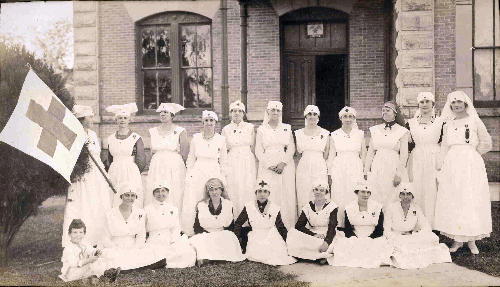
pixel 213 225
pixel 266 240
pixel 415 245
pixel 127 235
pixel 316 227
pixel 164 227
pixel 363 244
pixel 80 260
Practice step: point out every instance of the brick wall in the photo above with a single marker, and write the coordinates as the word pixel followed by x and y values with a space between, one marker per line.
pixel 444 49
pixel 263 57
pixel 367 58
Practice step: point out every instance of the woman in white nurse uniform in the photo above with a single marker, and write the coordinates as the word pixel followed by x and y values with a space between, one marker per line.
pixel 316 228
pixel 274 148
pixel 214 238
pixel 207 159
pixel 89 198
pixel 463 207
pixel 242 166
pixel 425 134
pixel 387 155
pixel 345 162
pixel 267 236
pixel 164 227
pixel 363 244
pixel 313 145
pixel 410 234
pixel 125 158
pixel 127 234
pixel 169 145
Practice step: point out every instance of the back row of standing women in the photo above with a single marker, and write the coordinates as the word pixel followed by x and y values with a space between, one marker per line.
pixel 461 209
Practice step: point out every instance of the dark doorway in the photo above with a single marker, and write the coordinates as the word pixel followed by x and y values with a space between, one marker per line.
pixel 330 89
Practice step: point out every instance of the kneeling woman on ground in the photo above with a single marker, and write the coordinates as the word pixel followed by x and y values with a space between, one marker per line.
pixel 213 225
pixel 127 230
pixel 316 227
pixel 266 240
pixel 409 232
pixel 363 244
pixel 164 227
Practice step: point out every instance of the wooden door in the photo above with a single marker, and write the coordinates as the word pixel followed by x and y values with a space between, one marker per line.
pixel 298 87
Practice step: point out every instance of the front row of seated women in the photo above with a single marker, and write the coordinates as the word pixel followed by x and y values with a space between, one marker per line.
pixel 401 237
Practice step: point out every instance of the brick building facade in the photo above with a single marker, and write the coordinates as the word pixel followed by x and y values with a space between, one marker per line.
pixel 333 53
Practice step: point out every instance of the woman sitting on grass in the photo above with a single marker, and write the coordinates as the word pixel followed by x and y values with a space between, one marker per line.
pixel 127 230
pixel 364 244
pixel 409 232
pixel 316 227
pixel 266 240
pixel 213 225
pixel 164 227
pixel 80 260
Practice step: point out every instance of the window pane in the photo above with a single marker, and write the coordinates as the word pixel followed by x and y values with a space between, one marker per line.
pixel 188 44
pixel 203 45
pixel 497 74
pixel 483 75
pixel 163 46
pixel 150 90
pixel 148 47
pixel 165 86
pixel 197 88
pixel 190 86
pixel 205 88
pixel 483 16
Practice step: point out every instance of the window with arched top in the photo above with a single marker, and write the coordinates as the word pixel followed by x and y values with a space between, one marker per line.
pixel 174 60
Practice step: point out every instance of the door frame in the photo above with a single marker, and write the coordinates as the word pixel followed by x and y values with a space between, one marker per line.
pixel 319 52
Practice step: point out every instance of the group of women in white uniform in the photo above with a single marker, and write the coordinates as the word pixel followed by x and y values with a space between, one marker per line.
pixel 382 207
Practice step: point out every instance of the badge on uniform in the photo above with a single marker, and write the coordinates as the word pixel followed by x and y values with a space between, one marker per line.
pixel 414 212
pixel 373 214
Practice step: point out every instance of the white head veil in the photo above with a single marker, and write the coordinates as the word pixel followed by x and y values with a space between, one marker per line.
pixel 448 114
pixel 273 105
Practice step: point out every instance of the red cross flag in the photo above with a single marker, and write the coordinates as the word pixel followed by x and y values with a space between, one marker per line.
pixel 42 127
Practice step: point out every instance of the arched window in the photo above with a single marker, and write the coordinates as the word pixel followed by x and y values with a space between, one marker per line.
pixel 175 60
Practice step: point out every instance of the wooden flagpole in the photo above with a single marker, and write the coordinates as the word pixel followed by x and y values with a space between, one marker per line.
pixel 101 170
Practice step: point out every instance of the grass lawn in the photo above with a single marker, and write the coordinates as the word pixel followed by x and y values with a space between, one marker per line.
pixel 36 252
pixel 488 260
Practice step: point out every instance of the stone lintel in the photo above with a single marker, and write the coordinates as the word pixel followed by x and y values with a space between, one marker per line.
pixel 84 6
pixel 417 5
pixel 85 49
pixel 420 78
pixel 417 59
pixel 417 21
pixel 417 40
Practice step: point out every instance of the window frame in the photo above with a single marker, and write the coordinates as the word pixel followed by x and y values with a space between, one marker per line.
pixel 161 20
pixel 496 100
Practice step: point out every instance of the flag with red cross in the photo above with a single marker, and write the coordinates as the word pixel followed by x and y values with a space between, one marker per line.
pixel 42 127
